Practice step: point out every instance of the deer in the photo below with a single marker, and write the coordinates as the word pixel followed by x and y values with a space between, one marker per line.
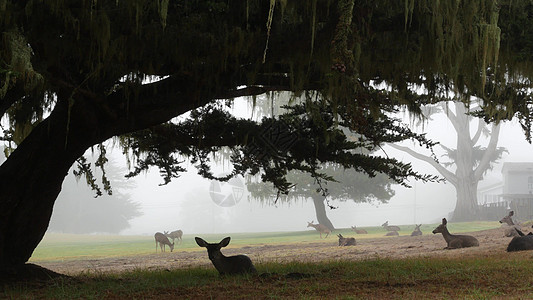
pixel 455 241
pixel 390 227
pixel 521 242
pixel 177 234
pixel 417 231
pixel 392 233
pixel 320 228
pixel 162 240
pixel 510 229
pixel 359 231
pixel 226 265
pixel 346 241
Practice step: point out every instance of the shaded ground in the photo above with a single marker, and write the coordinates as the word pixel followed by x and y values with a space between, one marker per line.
pixel 491 241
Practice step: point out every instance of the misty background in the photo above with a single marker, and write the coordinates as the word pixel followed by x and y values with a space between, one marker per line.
pixel 140 206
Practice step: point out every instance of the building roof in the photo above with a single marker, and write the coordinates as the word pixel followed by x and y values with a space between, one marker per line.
pixel 517 167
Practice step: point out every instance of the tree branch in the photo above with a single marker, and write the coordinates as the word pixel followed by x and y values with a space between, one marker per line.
pixel 452 178
pixel 480 127
pixel 484 164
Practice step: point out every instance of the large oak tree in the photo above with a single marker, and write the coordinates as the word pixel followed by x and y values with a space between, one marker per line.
pixel 75 73
pixel 465 165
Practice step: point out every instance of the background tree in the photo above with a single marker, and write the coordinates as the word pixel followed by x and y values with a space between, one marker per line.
pixel 77 209
pixel 464 166
pixel 344 184
pixel 80 80
pixel 348 186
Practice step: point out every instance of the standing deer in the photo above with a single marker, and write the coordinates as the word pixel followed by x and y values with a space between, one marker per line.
pixel 320 228
pixel 177 234
pixel 521 242
pixel 238 264
pixel 417 231
pixel 510 229
pixel 390 227
pixel 346 241
pixel 455 241
pixel 162 240
pixel 359 231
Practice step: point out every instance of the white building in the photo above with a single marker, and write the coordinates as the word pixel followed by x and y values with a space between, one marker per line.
pixel 515 192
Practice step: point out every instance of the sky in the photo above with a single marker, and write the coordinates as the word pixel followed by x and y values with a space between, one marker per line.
pixel 187 203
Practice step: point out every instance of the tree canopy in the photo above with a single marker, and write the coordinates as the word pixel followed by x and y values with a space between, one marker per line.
pixel 75 73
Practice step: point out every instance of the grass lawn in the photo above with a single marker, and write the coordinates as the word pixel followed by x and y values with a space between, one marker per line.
pixel 495 276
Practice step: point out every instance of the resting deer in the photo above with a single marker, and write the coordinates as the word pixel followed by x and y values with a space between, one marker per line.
pixel 320 228
pixel 417 231
pixel 392 233
pixel 390 227
pixel 521 242
pixel 162 240
pixel 238 264
pixel 455 241
pixel 359 231
pixel 346 241
pixel 510 230
pixel 177 234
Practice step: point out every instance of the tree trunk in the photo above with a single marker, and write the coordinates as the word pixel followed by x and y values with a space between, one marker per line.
pixel 320 210
pixel 466 208
pixel 30 180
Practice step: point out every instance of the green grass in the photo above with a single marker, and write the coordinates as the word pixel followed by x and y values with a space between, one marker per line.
pixel 506 276
pixel 502 275
pixel 56 247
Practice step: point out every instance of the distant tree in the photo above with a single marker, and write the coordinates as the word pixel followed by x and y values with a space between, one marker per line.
pixel 348 185
pixel 464 166
pixel 78 210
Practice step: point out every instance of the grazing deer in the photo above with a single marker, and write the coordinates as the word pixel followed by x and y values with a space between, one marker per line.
pixel 390 227
pixel 162 240
pixel 177 234
pixel 346 241
pixel 417 231
pixel 320 228
pixel 455 241
pixel 510 229
pixel 359 231
pixel 521 242
pixel 392 233
pixel 238 264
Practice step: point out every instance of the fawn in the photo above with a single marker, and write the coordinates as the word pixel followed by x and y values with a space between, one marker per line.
pixel 521 242
pixel 359 231
pixel 346 241
pixel 392 233
pixel 390 227
pixel 510 229
pixel 417 231
pixel 162 240
pixel 455 241
pixel 237 264
pixel 320 228
pixel 177 234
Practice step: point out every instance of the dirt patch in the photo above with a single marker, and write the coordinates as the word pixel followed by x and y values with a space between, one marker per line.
pixel 428 245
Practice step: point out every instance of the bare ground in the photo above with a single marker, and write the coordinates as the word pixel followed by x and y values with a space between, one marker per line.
pixel 428 245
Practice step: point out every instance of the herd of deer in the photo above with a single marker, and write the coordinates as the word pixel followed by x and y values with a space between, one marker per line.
pixel 162 239
pixel 519 242
pixel 240 264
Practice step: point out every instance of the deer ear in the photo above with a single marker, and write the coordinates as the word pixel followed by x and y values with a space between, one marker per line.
pixel 444 222
pixel 200 242
pixel 224 242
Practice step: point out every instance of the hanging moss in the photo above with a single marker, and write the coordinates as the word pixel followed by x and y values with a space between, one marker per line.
pixel 16 56
pixel 163 11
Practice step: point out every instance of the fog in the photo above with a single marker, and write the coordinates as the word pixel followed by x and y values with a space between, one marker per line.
pixel 187 203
